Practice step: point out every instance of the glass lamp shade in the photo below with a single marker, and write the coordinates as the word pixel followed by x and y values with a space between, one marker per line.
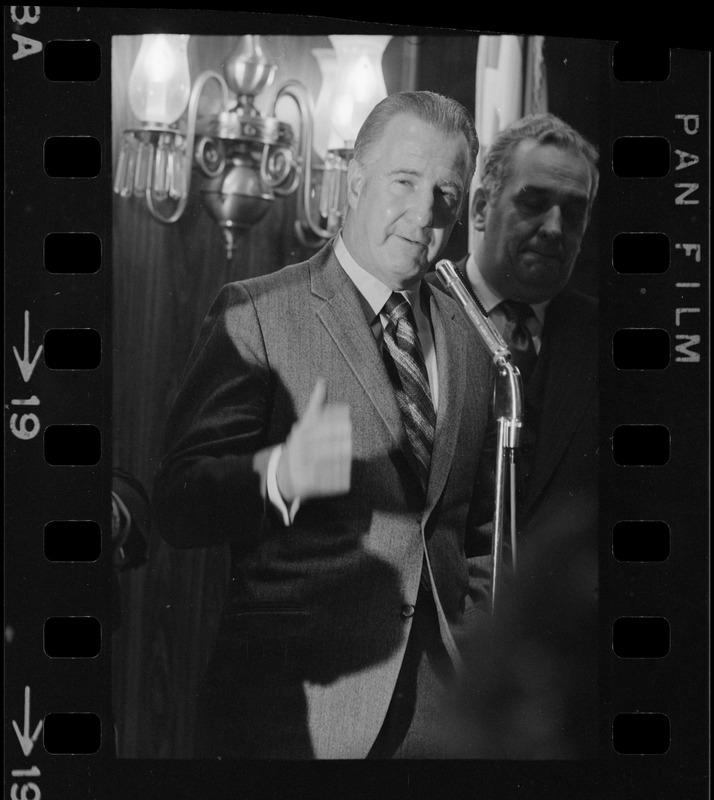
pixel 160 83
pixel 359 84
pixel 324 135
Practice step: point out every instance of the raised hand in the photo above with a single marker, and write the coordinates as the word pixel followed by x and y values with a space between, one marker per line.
pixel 317 457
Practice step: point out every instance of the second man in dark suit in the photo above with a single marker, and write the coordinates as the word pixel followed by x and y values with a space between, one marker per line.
pixel 531 211
pixel 539 180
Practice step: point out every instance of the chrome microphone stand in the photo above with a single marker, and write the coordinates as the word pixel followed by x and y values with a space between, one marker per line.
pixel 508 410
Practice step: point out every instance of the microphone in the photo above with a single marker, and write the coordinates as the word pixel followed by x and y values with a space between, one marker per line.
pixel 455 285
pixel 508 400
pixel 508 411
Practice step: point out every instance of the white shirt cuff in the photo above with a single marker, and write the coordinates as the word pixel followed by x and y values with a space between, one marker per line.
pixel 288 515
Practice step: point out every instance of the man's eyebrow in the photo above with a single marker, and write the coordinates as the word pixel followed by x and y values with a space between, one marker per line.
pixel 418 173
pixel 404 171
pixel 575 196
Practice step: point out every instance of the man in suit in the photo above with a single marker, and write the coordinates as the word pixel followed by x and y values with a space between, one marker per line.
pixel 334 448
pixel 531 211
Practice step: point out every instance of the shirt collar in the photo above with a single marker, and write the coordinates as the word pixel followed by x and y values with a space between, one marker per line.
pixel 372 289
pixel 489 297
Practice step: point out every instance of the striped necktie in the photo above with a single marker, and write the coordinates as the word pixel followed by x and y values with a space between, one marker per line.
pixel 407 371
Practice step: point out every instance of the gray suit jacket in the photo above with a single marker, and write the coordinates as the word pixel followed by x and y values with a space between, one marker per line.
pixel 314 631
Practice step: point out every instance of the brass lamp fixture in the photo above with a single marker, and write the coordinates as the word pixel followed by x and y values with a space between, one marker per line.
pixel 247 158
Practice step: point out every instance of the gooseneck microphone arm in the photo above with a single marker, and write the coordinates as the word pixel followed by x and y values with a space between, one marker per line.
pixel 508 410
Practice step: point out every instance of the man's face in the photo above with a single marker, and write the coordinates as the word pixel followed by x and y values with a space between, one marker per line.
pixel 405 200
pixel 534 227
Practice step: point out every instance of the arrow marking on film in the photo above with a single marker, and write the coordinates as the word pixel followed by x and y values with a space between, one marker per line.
pixel 27 367
pixel 27 742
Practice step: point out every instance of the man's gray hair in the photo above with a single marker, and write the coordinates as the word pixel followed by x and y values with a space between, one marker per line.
pixel 445 114
pixel 544 129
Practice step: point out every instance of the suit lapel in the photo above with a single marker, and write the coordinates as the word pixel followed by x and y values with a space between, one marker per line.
pixel 343 316
pixel 569 383
pixel 450 340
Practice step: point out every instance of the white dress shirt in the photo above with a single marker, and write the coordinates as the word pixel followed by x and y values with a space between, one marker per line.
pixel 490 299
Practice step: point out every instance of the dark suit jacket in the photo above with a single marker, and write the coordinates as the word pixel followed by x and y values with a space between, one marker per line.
pixel 550 617
pixel 561 445
pixel 564 460
pixel 314 631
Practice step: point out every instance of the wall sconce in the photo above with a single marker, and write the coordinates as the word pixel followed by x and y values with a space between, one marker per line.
pixel 151 162
pixel 356 84
pixel 325 136
pixel 247 158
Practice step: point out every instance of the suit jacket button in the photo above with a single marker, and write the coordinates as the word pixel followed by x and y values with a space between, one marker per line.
pixel 407 611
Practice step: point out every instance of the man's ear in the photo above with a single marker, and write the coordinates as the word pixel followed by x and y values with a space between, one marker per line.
pixel 479 207
pixel 355 180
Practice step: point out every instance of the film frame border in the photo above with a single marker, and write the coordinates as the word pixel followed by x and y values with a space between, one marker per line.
pixel 676 302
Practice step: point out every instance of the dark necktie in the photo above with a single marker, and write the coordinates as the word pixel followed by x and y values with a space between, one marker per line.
pixel 407 371
pixel 518 336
